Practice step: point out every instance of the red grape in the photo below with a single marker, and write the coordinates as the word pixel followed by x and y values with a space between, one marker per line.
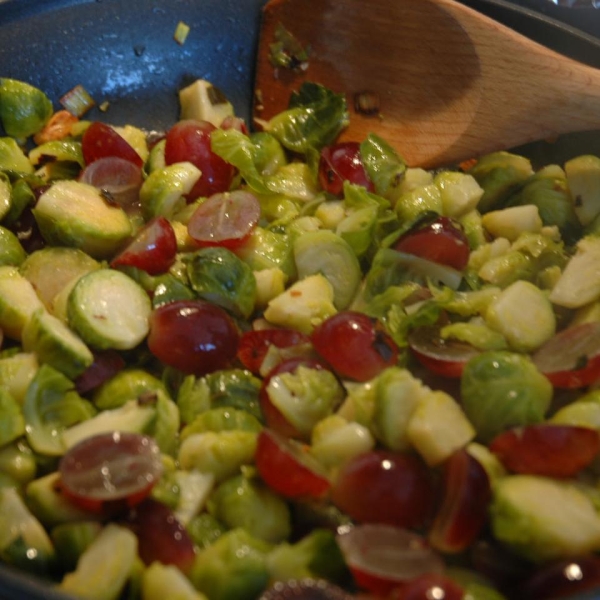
pixel 429 586
pixel 100 141
pixel 286 467
pixel 106 364
pixel 161 537
pixel 547 449
pixel 194 336
pixel 342 162
pixel 464 508
pixel 110 471
pixel 385 487
pixel 255 344
pixel 571 359
pixel 382 558
pixel 225 219
pixel 152 250
pixel 446 358
pixel 355 345
pixel 189 140
pixel 563 578
pixel 117 177
pixel 443 241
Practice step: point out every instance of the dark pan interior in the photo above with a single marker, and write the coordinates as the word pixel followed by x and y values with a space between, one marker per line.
pixel 123 52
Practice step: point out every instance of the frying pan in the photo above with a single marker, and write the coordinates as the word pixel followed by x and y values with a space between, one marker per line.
pixel 123 53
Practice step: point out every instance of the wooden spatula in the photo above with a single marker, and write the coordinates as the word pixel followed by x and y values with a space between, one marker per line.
pixel 450 82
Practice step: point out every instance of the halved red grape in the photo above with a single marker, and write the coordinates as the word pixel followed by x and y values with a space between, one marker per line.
pixel 119 178
pixel 382 558
pixel 571 359
pixel 443 241
pixel 100 140
pixel 109 472
pixel 381 486
pixel 225 219
pixel 342 162
pixel 547 449
pixel 255 344
pixel 305 589
pixel 464 508
pixel 286 466
pixel 194 336
pixel 161 537
pixel 446 358
pixel 153 249
pixel 563 578
pixel 189 140
pixel 429 586
pixel 355 345
pixel 106 364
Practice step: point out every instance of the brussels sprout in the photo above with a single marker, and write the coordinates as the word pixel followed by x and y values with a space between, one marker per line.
pixel 52 268
pixel 251 505
pixel 326 253
pixel 385 167
pixel 266 249
pixel 18 301
pixel 502 389
pixel 294 180
pixel 512 266
pixel 235 388
pixel 583 179
pixel 164 190
pixel 105 567
pixel 548 191
pixel 12 422
pixel 48 504
pixel 55 344
pixel 165 426
pixel 219 453
pixel 12 159
pixel 475 586
pixel 499 174
pixel 315 118
pixel 269 154
pixel 71 540
pixel 420 200
pixel 16 373
pixel 475 334
pixel 315 556
pixel 219 276
pixel 305 396
pixel 128 384
pixel 223 418
pixel 543 519
pixel 66 150
pixel 167 581
pixel 23 541
pixel 24 109
pixel 237 149
pixel 232 568
pixel 193 398
pixel 52 404
pixel 205 529
pixel 18 462
pixel 75 214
